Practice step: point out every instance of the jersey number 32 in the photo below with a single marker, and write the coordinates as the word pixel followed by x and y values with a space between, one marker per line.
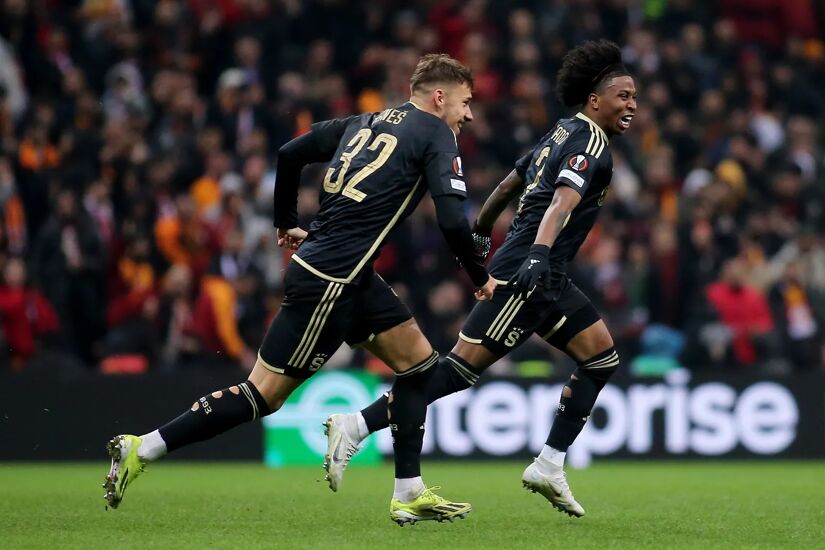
pixel 332 182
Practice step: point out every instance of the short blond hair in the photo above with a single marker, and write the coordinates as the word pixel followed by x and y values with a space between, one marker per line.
pixel 439 68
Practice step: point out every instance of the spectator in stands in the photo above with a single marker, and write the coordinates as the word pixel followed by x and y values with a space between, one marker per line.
pixel 217 315
pixel 36 160
pixel 798 312
pixel 175 320
pixel 132 307
pixel 69 265
pixel 666 300
pixel 807 252
pixel 184 237
pixel 12 212
pixel 206 190
pixel 744 310
pixel 236 110
pixel 26 316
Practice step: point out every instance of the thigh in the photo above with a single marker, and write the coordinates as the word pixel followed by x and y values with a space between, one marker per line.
pixel 312 323
pixel 383 324
pixel 476 355
pixel 378 310
pixel 570 314
pixel 590 342
pixel 401 347
pixel 575 327
pixel 505 322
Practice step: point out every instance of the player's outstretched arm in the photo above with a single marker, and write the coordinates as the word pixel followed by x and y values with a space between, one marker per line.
pixel 565 199
pixel 537 263
pixel 495 204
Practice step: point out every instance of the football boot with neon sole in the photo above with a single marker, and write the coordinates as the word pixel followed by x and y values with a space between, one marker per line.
pixel 427 507
pixel 126 467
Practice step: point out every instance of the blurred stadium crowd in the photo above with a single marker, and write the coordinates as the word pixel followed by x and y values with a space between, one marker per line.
pixel 138 140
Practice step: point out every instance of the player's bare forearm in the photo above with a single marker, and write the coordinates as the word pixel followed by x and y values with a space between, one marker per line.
pixel 509 188
pixel 556 215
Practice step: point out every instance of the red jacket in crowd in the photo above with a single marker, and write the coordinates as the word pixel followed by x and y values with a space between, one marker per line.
pixel 25 315
pixel 745 311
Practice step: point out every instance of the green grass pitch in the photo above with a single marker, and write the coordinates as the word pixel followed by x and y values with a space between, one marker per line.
pixel 629 505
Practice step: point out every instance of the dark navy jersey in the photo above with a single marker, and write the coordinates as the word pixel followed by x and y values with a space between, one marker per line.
pixel 384 164
pixel 575 153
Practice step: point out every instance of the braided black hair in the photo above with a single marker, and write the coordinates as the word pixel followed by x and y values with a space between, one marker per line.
pixel 585 68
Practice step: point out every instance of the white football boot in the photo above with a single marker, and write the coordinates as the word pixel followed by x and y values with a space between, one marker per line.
pixel 343 442
pixel 553 487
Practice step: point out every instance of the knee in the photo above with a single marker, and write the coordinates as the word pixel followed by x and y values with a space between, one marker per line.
pixel 585 384
pixel 600 367
pixel 274 400
pixel 407 368
pixel 270 387
pixel 266 400
pixel 460 372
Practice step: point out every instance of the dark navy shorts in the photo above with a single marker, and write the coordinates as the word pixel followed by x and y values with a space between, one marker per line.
pixel 317 316
pixel 505 322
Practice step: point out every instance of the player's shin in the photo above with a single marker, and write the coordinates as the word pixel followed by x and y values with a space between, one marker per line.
pixel 214 414
pixel 452 374
pixel 407 408
pixel 578 398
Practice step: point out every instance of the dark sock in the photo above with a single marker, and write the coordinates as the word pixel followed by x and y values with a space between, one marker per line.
pixel 214 414
pixel 583 389
pixel 452 374
pixel 375 414
pixel 408 410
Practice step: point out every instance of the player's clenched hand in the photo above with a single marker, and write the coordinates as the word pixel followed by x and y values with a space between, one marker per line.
pixel 291 238
pixel 532 271
pixel 486 292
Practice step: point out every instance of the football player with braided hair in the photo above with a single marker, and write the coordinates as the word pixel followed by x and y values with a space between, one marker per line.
pixel 562 182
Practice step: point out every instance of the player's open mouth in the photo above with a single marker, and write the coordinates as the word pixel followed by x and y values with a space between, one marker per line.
pixel 624 122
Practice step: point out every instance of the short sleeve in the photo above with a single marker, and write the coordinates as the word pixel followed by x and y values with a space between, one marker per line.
pixel 523 164
pixel 442 164
pixel 577 171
